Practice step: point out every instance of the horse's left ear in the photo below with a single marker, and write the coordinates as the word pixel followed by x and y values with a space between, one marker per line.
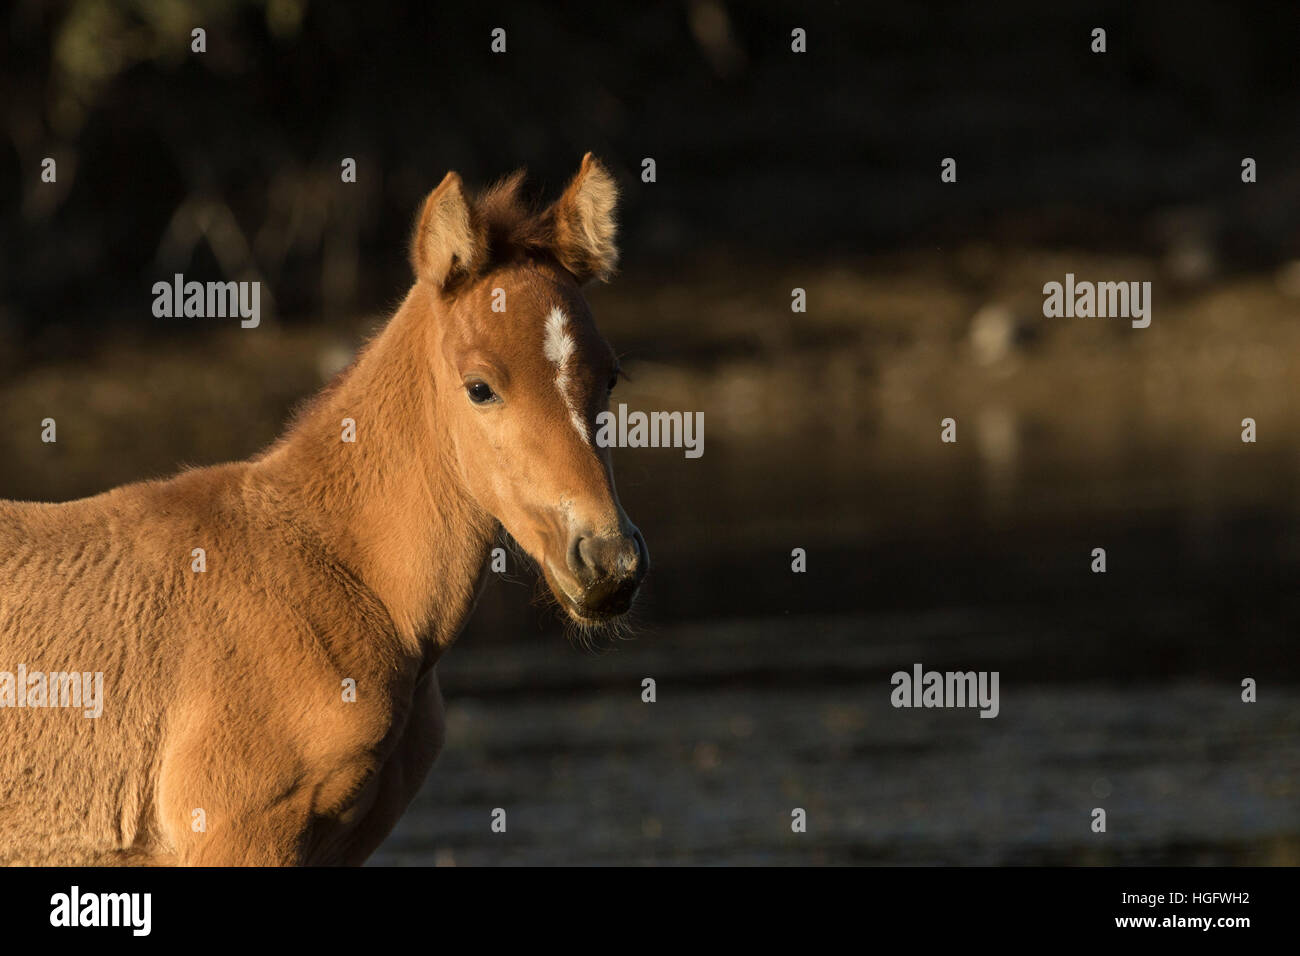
pixel 583 222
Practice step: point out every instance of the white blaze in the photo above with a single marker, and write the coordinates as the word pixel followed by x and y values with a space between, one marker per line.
pixel 559 349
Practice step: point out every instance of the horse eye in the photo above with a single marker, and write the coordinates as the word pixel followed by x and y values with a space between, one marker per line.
pixel 480 393
pixel 613 380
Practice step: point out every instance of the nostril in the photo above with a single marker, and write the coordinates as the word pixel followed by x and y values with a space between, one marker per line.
pixel 577 559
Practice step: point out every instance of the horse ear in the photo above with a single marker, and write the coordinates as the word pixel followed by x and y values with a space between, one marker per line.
pixel 448 239
pixel 583 222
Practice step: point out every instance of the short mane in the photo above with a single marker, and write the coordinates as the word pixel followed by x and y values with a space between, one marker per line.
pixel 514 226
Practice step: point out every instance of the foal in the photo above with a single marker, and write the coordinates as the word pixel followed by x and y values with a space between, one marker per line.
pixel 271 698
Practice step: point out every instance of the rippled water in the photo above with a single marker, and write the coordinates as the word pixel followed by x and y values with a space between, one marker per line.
pixel 756 718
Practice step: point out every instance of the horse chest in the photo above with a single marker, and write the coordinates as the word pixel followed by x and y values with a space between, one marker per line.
pixel 369 796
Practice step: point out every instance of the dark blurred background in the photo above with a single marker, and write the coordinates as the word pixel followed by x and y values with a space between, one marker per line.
pixel 775 170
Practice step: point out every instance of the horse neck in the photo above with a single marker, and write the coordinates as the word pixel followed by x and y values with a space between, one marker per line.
pixel 390 506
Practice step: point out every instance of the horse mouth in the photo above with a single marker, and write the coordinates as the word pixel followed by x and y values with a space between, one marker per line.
pixel 600 615
pixel 602 603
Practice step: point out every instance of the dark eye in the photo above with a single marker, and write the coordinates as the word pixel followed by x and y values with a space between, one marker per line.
pixel 613 379
pixel 480 393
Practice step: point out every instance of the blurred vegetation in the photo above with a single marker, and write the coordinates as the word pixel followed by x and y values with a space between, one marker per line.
pixel 226 163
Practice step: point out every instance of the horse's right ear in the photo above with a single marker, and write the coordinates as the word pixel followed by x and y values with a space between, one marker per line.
pixel 449 240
